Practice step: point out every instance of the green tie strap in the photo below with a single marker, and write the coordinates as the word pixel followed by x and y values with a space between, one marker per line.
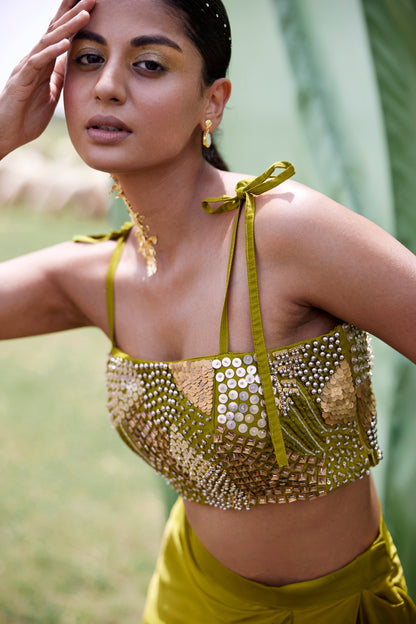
pixel 249 187
pixel 120 236
pixel 246 190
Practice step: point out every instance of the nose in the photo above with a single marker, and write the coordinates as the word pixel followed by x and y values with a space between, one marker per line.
pixel 110 85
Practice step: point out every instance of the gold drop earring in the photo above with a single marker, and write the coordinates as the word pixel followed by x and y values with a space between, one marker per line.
pixel 207 139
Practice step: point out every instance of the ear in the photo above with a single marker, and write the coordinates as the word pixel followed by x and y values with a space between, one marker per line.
pixel 217 96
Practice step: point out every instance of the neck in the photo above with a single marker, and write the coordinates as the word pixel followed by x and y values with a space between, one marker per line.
pixel 169 198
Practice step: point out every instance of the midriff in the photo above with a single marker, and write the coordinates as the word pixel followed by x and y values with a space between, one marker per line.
pixel 279 544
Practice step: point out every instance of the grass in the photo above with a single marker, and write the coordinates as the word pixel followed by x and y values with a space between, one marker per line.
pixel 80 515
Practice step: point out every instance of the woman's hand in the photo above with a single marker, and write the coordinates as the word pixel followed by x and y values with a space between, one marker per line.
pixel 33 89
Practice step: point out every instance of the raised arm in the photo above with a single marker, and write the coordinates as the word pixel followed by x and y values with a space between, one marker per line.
pixel 46 291
pixel 32 92
pixel 346 265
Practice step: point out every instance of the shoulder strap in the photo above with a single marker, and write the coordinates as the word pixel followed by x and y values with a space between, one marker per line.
pixel 120 236
pixel 246 190
pixel 224 333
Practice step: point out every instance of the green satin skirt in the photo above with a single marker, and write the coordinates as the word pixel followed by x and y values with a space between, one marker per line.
pixel 190 586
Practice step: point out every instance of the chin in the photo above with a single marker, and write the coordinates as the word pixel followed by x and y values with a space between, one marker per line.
pixel 116 160
pixel 100 158
pixel 103 162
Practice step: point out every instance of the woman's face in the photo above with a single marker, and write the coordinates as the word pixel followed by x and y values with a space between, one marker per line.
pixel 133 96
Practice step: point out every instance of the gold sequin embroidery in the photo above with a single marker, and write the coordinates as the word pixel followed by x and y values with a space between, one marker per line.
pixel 338 400
pixel 366 403
pixel 195 379
pixel 188 461
pixel 251 466
pixel 203 426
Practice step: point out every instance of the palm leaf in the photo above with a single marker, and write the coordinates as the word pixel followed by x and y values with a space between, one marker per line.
pixel 317 107
pixel 391 27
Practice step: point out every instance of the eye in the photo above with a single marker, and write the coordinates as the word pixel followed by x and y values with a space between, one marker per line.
pixel 149 67
pixel 88 60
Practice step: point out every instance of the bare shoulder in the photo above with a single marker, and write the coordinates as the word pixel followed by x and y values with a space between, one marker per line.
pixel 80 270
pixel 71 263
pixel 57 288
pixel 295 221
pixel 86 258
pixel 339 262
pixel 294 214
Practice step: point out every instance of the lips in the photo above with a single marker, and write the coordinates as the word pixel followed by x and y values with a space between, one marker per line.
pixel 107 124
pixel 107 130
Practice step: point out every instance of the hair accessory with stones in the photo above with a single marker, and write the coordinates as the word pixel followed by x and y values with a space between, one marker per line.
pixel 216 9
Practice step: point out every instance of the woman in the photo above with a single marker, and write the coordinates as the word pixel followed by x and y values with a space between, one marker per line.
pixel 270 445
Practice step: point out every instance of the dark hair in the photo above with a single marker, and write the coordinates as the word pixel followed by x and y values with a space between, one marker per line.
pixel 207 26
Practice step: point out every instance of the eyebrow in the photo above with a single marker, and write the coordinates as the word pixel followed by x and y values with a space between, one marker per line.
pixel 137 42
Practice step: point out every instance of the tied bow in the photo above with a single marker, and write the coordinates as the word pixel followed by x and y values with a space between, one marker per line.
pixel 246 189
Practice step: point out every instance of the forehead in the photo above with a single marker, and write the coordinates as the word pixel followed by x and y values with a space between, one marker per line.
pixel 135 17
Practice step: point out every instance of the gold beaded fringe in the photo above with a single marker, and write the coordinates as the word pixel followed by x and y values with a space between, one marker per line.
pixel 146 243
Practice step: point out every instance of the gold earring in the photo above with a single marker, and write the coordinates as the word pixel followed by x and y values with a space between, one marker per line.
pixel 146 243
pixel 207 139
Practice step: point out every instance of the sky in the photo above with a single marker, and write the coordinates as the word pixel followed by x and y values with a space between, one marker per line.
pixel 23 24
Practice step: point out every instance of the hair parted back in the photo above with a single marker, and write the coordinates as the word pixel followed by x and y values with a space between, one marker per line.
pixel 207 26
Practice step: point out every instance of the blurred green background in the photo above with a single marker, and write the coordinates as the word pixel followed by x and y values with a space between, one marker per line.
pixel 327 84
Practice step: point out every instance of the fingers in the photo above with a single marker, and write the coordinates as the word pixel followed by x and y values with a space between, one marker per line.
pixel 55 42
pixel 72 6
pixel 36 64
pixel 32 91
pixel 57 79
pixel 67 25
pixel 67 22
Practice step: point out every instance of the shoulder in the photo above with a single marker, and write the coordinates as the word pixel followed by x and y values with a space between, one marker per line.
pixel 296 220
pixel 78 269
pixel 88 252
pixel 80 255
pixel 54 289
pixel 294 215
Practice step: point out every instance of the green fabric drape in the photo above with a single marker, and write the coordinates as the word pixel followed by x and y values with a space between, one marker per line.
pixel 391 28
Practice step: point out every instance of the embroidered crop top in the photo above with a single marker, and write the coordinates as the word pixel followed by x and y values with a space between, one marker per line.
pixel 236 430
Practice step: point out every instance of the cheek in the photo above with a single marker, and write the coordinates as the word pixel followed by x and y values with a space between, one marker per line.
pixel 74 104
pixel 73 111
pixel 171 105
